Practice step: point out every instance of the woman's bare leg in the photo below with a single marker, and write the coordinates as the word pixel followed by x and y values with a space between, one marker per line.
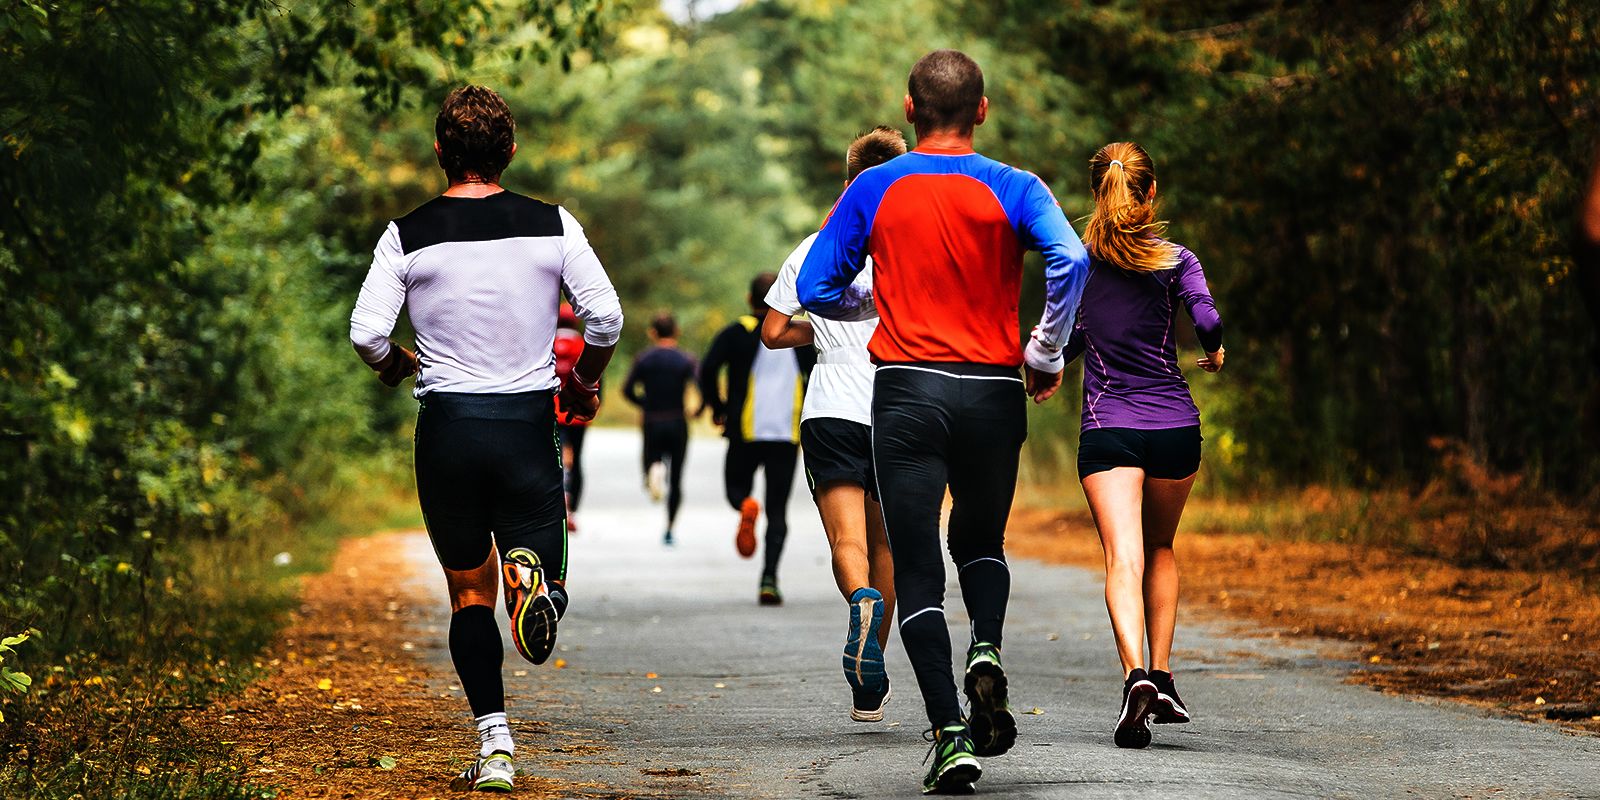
pixel 1163 507
pixel 1115 498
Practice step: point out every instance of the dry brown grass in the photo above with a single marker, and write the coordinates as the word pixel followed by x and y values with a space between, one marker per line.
pixel 1432 616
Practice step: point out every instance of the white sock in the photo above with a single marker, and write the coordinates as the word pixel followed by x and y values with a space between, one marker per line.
pixel 494 734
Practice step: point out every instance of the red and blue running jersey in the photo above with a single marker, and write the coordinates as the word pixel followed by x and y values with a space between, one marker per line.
pixel 946 230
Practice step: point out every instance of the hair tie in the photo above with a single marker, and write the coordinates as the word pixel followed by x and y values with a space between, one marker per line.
pixel 1115 163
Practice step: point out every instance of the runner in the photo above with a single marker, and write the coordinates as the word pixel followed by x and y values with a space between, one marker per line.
pixel 568 347
pixel 760 416
pixel 655 384
pixel 1140 448
pixel 946 229
pixel 836 438
pixel 480 272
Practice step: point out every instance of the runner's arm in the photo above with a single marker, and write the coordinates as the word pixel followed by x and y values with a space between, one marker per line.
pixel 595 302
pixel 383 294
pixel 710 371
pixel 1196 297
pixel 1066 268
pixel 630 387
pixel 780 329
pixel 826 282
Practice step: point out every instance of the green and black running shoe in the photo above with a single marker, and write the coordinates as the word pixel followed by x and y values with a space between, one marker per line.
pixel 955 767
pixel 769 594
pixel 994 728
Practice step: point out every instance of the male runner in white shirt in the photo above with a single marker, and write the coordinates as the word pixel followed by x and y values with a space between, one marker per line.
pixel 836 438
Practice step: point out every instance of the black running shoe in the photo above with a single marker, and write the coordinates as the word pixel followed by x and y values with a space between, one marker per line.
pixel 769 594
pixel 1169 708
pixel 866 705
pixel 1138 698
pixel 994 728
pixel 528 603
pixel 955 768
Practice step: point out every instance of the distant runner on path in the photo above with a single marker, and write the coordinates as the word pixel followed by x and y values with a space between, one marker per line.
pixel 1140 447
pixel 946 229
pixel 655 384
pixel 836 440
pixel 480 272
pixel 568 349
pixel 760 416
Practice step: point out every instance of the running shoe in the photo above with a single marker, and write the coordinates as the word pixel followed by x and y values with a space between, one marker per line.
pixel 866 705
pixel 994 727
pixel 863 655
pixel 1169 708
pixel 769 594
pixel 533 615
pixel 655 480
pixel 491 773
pixel 749 510
pixel 1138 698
pixel 955 767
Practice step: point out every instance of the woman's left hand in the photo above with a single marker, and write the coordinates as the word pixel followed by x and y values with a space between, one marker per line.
pixel 1213 361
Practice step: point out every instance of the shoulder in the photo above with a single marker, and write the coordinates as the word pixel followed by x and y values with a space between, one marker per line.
pixel 506 215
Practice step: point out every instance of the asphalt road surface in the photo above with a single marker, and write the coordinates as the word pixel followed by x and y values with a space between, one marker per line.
pixel 676 684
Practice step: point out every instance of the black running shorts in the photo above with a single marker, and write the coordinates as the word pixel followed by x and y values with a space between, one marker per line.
pixel 837 450
pixel 1168 454
pixel 488 474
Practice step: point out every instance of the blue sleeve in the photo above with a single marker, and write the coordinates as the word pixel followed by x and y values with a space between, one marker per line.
pixel 840 253
pixel 1042 226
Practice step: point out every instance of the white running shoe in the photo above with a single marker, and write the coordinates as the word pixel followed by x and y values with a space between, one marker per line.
pixel 492 773
pixel 656 481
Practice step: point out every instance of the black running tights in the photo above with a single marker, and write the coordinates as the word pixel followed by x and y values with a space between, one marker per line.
pixel 961 427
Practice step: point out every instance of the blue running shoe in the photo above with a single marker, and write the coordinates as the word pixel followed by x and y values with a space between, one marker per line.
pixel 863 655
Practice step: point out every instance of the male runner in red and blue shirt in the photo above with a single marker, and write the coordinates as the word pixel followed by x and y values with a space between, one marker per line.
pixel 946 229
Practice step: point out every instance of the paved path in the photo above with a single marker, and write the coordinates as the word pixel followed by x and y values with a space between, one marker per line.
pixel 749 702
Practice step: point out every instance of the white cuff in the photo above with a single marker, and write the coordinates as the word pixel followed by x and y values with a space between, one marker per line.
pixel 1043 357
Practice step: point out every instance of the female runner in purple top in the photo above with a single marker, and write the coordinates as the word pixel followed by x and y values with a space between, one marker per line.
pixel 1140 447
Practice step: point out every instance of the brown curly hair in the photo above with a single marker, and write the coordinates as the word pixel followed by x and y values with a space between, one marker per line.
pixel 476 134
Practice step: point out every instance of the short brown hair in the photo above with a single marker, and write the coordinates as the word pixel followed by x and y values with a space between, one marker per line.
pixel 664 326
pixel 476 134
pixel 946 87
pixel 871 149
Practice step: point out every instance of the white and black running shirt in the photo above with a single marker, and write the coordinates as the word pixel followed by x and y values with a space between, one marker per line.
pixel 482 280
pixel 841 383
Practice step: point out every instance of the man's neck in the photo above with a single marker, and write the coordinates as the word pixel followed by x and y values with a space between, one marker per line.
pixel 473 186
pixel 948 140
pixel 668 343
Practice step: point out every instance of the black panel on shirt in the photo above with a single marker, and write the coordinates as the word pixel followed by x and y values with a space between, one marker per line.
pixel 505 215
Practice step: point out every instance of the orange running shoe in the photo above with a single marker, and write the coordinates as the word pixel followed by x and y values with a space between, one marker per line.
pixel 746 540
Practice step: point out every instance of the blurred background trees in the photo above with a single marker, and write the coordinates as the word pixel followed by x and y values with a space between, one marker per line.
pixel 1382 194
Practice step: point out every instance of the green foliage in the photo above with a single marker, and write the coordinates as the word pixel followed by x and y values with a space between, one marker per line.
pixel 12 680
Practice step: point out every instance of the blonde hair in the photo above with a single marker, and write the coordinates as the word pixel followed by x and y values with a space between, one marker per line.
pixel 1123 230
pixel 871 149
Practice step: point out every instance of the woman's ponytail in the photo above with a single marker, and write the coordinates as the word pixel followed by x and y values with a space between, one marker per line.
pixel 1123 230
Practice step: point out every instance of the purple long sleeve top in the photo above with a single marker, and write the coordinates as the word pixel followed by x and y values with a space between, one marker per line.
pixel 1125 332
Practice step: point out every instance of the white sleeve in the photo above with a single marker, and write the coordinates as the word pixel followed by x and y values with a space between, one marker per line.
pixel 784 296
pixel 586 285
pixel 382 296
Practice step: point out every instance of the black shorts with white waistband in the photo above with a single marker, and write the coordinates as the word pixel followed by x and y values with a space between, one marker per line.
pixel 837 451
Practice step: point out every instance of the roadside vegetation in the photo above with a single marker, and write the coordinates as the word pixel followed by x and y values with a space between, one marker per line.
pixel 1382 194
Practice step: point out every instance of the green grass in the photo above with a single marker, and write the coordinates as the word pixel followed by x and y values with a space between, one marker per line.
pixel 167 638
